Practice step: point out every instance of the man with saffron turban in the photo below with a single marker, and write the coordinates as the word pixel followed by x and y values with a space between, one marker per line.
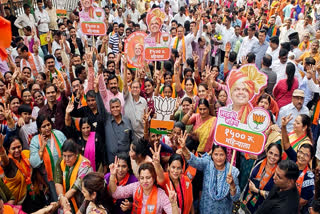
pixel 244 84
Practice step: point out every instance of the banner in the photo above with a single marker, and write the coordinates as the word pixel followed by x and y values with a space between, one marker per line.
pixel 240 126
pixel 134 47
pixel 157 43
pixel 92 19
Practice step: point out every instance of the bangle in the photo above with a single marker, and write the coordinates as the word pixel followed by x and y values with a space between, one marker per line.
pixel 60 196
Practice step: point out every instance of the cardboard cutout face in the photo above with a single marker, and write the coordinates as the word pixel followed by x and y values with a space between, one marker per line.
pixel 243 125
pixel 134 47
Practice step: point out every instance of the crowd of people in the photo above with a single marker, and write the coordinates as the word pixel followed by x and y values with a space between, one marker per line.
pixel 75 115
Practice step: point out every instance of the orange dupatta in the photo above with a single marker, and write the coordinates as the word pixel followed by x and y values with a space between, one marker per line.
pixel 31 63
pixel 48 157
pixel 263 181
pixel 151 206
pixel 72 179
pixel 190 171
pixel 300 179
pixel 185 198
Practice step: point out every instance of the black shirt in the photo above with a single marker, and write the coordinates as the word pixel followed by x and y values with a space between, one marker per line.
pixel 14 29
pixel 280 202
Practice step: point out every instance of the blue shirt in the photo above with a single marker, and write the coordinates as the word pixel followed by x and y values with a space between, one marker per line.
pixel 259 51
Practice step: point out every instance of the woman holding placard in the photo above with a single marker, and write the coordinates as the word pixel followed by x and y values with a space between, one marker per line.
pixel 261 179
pixel 304 156
pixel 220 184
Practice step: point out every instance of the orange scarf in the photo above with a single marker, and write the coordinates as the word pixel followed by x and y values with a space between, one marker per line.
pixel 123 182
pixel 300 179
pixel 48 156
pixel 31 63
pixel 263 181
pixel 176 44
pixel 71 179
pixel 24 166
pixel 151 206
pixel 316 114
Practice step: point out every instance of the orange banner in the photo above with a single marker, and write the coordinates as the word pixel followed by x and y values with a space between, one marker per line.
pixel 157 54
pixel 93 28
pixel 239 139
pixel 162 124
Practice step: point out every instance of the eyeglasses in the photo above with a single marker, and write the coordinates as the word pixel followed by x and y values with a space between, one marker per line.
pixel 304 154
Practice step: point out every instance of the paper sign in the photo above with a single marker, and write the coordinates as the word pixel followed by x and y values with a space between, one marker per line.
pixel 157 43
pixel 134 47
pixel 164 108
pixel 239 126
pixel 92 19
pixel 43 39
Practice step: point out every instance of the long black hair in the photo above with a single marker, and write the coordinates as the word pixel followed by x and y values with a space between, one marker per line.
pixel 290 70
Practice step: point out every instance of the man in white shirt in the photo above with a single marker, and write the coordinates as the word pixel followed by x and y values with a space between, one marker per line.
pixel 227 32
pixel 25 19
pixel 120 18
pixel 108 14
pixel 295 108
pixel 143 22
pixel 305 27
pixel 43 20
pixel 134 13
pixel 286 30
pixel 273 49
pixel 183 43
pixel 247 43
pixel 180 17
pixel 279 66
pixel 174 6
pixel 57 37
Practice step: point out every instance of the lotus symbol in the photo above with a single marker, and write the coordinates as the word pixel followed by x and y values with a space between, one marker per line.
pixel 164 107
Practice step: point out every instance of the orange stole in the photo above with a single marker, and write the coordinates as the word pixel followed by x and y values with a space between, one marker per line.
pixel 151 206
pixel 73 178
pixel 47 157
pixel 187 194
pixel 300 179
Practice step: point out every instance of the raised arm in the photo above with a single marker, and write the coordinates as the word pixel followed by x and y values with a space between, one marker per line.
pixel 113 176
pixel 3 154
pixel 177 74
pixel 285 138
pixel 156 163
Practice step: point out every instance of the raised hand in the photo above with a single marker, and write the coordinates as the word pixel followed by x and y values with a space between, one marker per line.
pixel 156 153
pixel 195 58
pixel 70 107
pixel 285 120
pixel 182 139
pixel 7 111
pixel 146 115
pixel 114 167
pixel 172 194
pixel 228 47
pixel 96 83
pixel 230 179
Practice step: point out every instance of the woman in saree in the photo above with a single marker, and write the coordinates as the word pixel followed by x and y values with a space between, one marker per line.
pixel 18 177
pixel 70 169
pixel 147 197
pixel 220 189
pixel 180 182
pixel 261 179
pixel 203 125
pixel 302 155
pixel 90 143
pixel 45 150
pixel 301 133
pixel 124 177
